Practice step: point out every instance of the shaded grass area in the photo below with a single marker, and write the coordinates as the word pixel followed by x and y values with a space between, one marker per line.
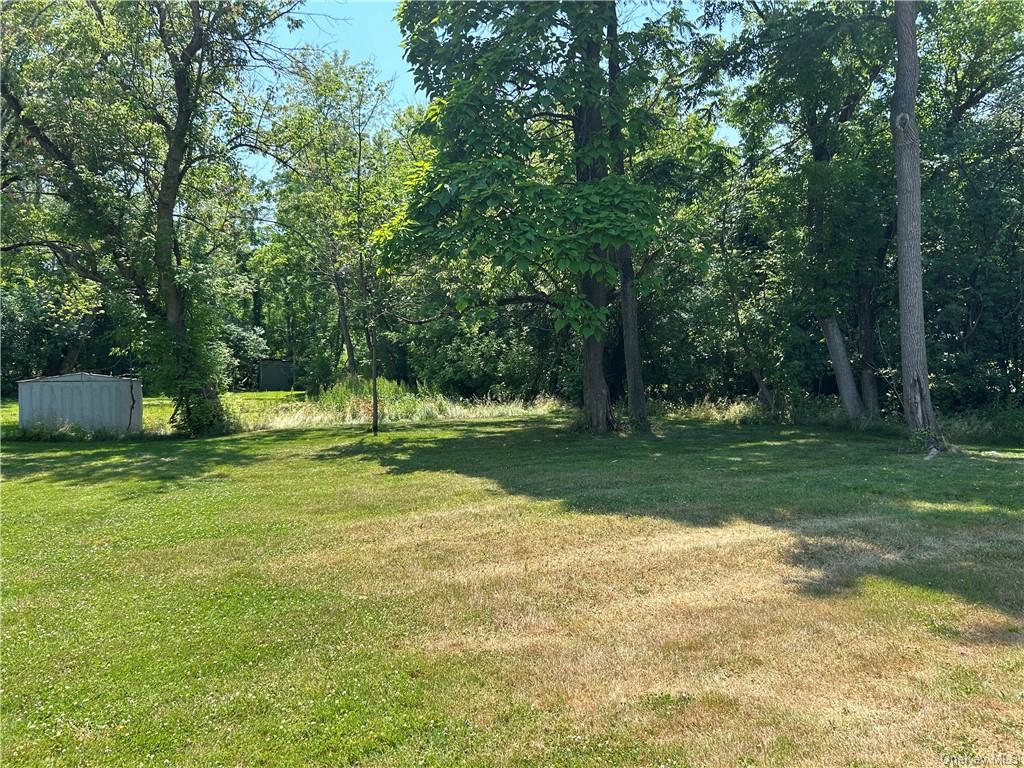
pixel 509 593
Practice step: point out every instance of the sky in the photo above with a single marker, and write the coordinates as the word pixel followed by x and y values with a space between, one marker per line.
pixel 367 30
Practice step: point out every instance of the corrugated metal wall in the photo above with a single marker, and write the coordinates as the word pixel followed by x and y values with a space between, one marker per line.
pixel 92 403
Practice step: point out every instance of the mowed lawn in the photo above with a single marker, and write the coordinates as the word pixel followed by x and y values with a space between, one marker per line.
pixel 511 593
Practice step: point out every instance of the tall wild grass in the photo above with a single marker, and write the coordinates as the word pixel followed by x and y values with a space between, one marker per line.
pixel 350 401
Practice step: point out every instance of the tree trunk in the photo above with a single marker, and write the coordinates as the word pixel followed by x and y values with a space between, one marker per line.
pixel 197 400
pixel 591 165
pixel 917 402
pixel 197 405
pixel 866 347
pixel 841 367
pixel 597 410
pixel 344 331
pixel 766 393
pixel 257 306
pixel 635 395
pixel 70 357
pixel 163 246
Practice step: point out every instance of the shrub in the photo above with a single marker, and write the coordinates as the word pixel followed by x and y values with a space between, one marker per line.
pixel 997 424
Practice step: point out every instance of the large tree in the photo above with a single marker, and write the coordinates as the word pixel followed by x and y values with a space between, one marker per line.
pixel 130 107
pixel 526 174
pixel 917 400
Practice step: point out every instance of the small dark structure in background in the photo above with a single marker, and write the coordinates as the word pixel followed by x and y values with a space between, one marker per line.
pixel 276 375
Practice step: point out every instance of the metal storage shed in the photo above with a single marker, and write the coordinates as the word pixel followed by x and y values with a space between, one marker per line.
pixel 87 400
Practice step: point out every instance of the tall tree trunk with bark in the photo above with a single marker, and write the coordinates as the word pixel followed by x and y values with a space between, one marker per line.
pixel 841 367
pixel 590 166
pixel 636 397
pixel 197 406
pixel 597 411
pixel 917 401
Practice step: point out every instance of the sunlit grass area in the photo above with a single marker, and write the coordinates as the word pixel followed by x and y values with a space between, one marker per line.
pixel 508 592
pixel 347 402
pixel 249 407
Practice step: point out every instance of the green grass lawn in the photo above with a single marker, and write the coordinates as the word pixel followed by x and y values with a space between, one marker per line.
pixel 510 593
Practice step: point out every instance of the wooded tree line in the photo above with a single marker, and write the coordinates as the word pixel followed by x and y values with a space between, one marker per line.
pixel 603 201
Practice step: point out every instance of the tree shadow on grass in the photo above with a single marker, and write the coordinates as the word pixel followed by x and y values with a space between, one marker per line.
pixel 857 506
pixel 168 461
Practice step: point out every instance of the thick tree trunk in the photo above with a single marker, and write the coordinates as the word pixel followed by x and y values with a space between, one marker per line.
pixel 163 247
pixel 70 357
pixel 351 365
pixel 197 400
pixel 591 165
pixel 917 402
pixel 635 395
pixel 841 367
pixel 197 405
pixel 866 347
pixel 597 410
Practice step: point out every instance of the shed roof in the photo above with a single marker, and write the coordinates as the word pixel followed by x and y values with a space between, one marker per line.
pixel 71 377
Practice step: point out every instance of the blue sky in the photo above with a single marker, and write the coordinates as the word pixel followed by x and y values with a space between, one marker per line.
pixel 367 30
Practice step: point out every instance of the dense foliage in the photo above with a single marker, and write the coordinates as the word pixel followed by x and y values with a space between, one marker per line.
pixel 731 169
